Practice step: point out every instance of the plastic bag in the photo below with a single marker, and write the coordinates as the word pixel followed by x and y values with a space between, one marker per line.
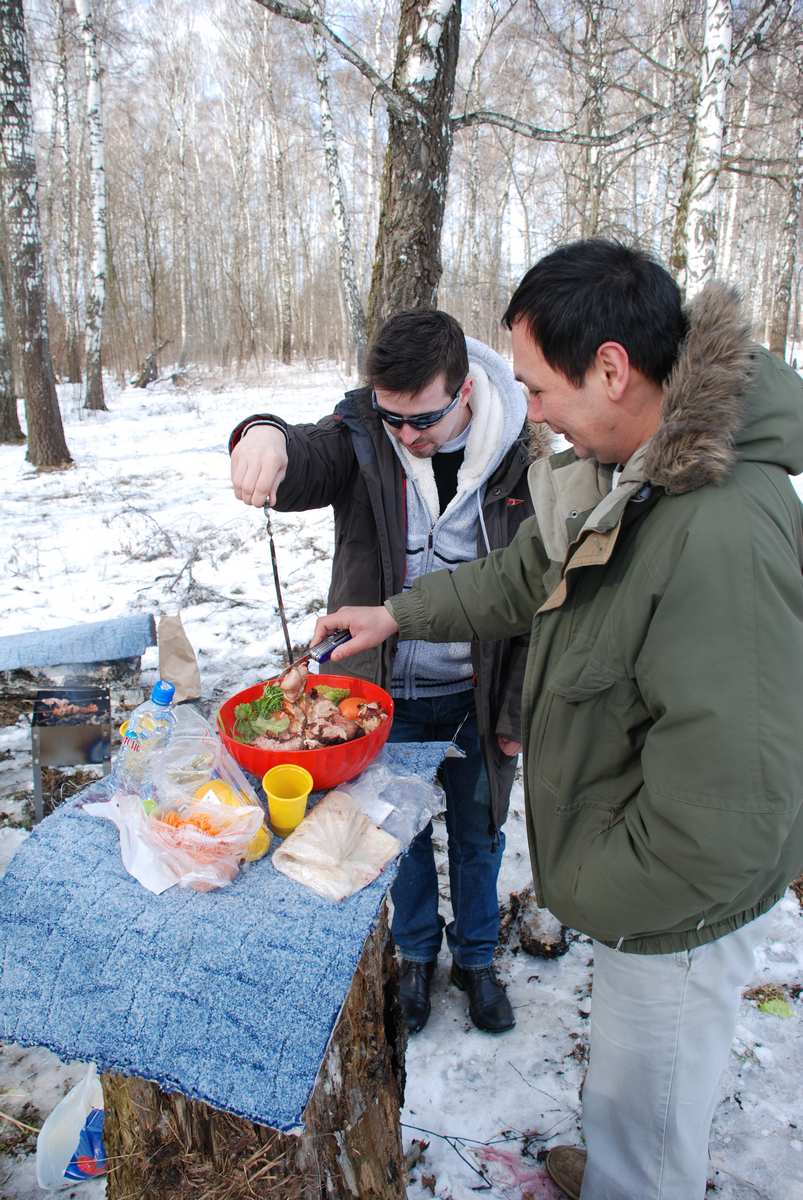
pixel 402 805
pixel 70 1143
pixel 207 818
pixel 336 850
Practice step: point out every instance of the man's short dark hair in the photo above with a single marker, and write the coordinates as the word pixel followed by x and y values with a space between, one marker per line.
pixel 413 347
pixel 594 291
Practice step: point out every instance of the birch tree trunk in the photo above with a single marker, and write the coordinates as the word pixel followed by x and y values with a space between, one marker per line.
pixel 184 229
pixel 782 300
pixel 47 448
pixel 277 189
pixel 348 272
pixel 682 92
pixel 10 431
pixel 69 190
pixel 703 216
pixel 407 262
pixel 97 290
pixel 594 54
pixel 474 272
pixel 731 216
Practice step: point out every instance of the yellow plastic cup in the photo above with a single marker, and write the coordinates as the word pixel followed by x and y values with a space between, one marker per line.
pixel 287 788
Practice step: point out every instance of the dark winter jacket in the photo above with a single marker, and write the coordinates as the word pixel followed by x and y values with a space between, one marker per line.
pixel 663 696
pixel 346 460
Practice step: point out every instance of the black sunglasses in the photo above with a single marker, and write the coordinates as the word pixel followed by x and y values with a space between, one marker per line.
pixel 419 420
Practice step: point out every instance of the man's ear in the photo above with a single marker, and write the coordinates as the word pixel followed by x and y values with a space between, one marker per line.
pixel 466 390
pixel 613 364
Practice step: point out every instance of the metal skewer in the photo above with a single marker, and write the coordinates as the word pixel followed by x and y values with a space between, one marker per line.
pixel 277 585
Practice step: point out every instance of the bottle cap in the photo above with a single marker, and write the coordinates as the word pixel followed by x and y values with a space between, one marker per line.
pixel 162 692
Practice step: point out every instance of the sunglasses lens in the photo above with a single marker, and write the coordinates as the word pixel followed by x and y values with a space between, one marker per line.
pixel 421 421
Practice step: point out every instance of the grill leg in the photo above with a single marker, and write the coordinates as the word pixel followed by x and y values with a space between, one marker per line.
pixel 38 801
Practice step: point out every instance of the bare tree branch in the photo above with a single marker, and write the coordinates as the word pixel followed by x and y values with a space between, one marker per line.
pixel 398 103
pixel 731 168
pixel 753 36
pixel 565 136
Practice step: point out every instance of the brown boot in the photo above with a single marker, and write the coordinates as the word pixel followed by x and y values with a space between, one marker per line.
pixel 565 1166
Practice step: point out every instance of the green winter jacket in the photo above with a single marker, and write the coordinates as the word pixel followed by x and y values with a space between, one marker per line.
pixel 663 692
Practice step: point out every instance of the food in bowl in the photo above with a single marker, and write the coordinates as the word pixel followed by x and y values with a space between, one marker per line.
pixel 328 766
pixel 291 716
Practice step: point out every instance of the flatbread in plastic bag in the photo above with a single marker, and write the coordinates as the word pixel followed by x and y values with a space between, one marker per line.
pixel 336 850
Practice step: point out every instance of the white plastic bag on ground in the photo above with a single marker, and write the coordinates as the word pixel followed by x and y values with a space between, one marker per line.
pixel 336 850
pixel 70 1143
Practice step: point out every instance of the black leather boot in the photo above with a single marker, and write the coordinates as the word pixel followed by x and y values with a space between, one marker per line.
pixel 414 982
pixel 488 1004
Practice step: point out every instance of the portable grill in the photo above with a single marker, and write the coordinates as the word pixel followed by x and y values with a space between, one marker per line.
pixel 70 727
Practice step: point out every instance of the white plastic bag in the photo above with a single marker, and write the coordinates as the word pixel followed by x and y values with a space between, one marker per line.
pixel 70 1143
pixel 160 855
pixel 401 805
pixel 202 819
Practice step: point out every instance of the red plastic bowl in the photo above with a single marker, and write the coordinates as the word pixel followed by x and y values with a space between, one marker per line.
pixel 328 766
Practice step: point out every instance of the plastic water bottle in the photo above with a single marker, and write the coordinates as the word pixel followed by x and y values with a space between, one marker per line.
pixel 148 728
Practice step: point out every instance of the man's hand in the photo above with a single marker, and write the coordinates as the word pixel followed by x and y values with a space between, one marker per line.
pixel 368 627
pixel 258 465
pixel 508 746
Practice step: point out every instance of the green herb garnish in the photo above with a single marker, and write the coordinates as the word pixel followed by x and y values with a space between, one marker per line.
pixel 260 716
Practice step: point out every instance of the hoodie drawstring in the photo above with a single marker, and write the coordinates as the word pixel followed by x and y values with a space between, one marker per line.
pixel 482 522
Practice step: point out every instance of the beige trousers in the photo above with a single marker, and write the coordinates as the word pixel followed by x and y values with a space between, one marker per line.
pixel 661 1030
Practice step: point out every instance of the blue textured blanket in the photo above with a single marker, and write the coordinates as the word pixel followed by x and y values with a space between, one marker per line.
pixel 227 996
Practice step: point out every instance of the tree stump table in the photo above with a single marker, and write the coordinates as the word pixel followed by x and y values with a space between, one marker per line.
pixel 249 1039
pixel 162 1146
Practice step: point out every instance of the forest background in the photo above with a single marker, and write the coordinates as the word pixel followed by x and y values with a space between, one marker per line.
pixel 226 183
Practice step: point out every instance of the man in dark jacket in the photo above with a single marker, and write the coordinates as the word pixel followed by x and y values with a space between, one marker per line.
pixel 663 696
pixel 425 468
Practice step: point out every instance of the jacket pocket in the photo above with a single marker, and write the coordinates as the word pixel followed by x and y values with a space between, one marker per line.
pixel 578 677
pixel 578 730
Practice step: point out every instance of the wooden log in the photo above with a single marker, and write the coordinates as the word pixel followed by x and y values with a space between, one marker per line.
pixel 539 933
pixel 162 1146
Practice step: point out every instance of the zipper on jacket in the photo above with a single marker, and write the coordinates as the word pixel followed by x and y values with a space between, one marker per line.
pixel 409 676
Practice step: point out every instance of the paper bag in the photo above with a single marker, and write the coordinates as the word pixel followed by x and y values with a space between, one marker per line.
pixel 177 661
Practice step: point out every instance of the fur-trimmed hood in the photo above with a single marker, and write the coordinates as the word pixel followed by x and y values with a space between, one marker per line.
pixel 725 399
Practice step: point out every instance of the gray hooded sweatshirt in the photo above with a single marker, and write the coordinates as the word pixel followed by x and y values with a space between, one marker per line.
pixel 438 540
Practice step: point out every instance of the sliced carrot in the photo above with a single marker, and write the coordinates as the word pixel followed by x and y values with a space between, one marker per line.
pixel 204 823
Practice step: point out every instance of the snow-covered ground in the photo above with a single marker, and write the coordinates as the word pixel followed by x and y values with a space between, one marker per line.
pixel 145 521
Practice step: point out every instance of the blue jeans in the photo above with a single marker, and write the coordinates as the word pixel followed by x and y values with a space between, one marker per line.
pixel 475 848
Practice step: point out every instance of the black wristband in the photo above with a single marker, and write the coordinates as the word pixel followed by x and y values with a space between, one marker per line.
pixel 263 421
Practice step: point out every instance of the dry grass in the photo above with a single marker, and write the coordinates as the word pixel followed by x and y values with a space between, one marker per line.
pixel 11 710
pixel 765 992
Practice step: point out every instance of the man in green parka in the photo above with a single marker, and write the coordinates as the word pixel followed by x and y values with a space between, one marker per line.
pixel 660 582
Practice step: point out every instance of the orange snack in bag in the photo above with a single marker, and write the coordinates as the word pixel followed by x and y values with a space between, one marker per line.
pixel 203 822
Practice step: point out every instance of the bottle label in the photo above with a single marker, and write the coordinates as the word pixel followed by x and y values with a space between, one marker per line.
pixel 89 1160
pixel 145 731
